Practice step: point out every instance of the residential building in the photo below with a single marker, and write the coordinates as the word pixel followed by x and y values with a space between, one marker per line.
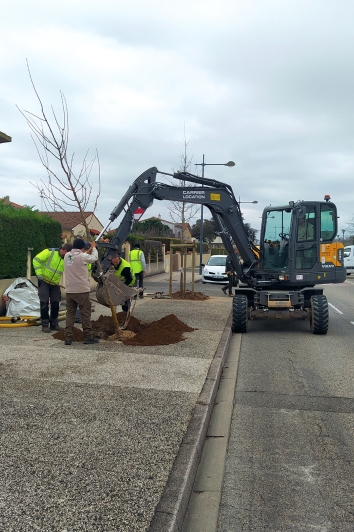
pixel 72 226
pixel 7 201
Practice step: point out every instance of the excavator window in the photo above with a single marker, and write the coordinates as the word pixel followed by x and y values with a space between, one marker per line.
pixel 276 239
pixel 306 227
pixel 328 222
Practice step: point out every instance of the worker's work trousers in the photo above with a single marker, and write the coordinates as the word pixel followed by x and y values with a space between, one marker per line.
pixel 139 279
pixel 49 293
pixel 83 302
pixel 230 282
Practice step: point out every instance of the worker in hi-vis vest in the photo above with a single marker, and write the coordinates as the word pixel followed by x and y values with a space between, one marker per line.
pixel 138 265
pixel 49 266
pixel 124 272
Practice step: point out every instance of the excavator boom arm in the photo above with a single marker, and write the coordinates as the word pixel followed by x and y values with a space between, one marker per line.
pixel 215 195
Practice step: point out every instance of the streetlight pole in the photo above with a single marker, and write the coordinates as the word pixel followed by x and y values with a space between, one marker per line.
pixel 229 164
pixel 254 202
pixel 239 202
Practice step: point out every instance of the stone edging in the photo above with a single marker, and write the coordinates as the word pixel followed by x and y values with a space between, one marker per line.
pixel 170 511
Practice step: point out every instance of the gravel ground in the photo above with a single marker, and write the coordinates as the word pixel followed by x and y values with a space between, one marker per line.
pixel 90 433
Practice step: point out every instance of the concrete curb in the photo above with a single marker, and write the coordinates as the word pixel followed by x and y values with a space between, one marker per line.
pixel 170 512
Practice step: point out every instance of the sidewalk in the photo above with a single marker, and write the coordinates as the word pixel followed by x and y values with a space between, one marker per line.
pixel 107 437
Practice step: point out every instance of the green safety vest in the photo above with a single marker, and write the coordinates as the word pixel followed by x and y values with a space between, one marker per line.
pixel 124 264
pixel 49 265
pixel 135 260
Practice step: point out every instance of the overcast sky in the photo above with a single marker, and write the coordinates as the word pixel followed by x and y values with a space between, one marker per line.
pixel 268 84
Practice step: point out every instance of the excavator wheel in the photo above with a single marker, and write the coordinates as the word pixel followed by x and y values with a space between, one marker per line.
pixel 319 314
pixel 239 314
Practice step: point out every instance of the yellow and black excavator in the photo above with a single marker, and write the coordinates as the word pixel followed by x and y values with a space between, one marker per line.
pixel 280 277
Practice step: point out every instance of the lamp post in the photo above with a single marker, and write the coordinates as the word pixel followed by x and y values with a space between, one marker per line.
pixel 229 164
pixel 254 202
pixel 343 231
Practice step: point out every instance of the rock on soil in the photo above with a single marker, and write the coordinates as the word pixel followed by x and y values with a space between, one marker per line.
pixel 167 330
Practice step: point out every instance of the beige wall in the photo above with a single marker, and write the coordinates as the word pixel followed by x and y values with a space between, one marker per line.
pixel 176 265
pixel 92 222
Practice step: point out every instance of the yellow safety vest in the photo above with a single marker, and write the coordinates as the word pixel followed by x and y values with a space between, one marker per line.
pixel 49 265
pixel 124 264
pixel 135 260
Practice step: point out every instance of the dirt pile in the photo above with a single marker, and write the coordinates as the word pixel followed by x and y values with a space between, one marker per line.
pixel 167 330
pixel 197 296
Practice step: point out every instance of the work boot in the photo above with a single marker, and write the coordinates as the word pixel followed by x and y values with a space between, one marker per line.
pixel 230 295
pixel 56 328
pixel 45 329
pixel 224 290
pixel 68 342
pixel 91 341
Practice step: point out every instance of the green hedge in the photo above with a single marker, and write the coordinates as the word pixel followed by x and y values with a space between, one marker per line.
pixel 132 238
pixel 22 229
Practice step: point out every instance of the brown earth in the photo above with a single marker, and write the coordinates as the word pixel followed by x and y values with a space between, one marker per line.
pixel 167 330
pixel 197 296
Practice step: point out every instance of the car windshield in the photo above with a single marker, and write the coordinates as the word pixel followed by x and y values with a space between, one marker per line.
pixel 347 252
pixel 217 261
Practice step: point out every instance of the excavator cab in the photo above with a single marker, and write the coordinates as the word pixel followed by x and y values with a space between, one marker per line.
pixel 298 244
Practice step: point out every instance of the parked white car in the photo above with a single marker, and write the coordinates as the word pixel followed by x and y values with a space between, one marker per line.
pixel 349 259
pixel 214 270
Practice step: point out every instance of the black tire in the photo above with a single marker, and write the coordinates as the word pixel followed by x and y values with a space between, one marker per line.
pixel 319 314
pixel 239 314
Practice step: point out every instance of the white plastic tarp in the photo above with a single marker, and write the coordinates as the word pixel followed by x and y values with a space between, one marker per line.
pixel 24 300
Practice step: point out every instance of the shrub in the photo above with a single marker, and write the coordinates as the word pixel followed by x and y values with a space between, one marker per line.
pixel 22 229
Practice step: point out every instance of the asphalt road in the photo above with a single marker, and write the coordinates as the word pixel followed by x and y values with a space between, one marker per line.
pixel 289 463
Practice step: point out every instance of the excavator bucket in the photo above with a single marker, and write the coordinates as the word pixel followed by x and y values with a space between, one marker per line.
pixel 118 291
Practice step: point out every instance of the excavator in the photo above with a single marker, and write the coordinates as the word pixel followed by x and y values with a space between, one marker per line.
pixel 279 278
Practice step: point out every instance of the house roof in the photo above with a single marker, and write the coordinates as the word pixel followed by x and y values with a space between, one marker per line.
pixel 186 225
pixel 7 201
pixel 4 137
pixel 69 220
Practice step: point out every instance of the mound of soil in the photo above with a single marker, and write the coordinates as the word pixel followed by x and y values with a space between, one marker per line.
pixel 167 330
pixel 197 296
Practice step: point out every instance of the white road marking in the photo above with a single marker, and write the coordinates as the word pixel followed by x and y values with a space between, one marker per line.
pixel 335 308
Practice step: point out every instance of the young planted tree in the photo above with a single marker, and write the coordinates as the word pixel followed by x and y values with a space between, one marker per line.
pixel 67 188
pixel 182 212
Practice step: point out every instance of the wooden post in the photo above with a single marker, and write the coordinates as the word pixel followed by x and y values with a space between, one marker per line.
pixel 29 263
pixel 193 269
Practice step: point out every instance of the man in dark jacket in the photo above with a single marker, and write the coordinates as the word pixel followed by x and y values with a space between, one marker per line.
pixel 229 270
